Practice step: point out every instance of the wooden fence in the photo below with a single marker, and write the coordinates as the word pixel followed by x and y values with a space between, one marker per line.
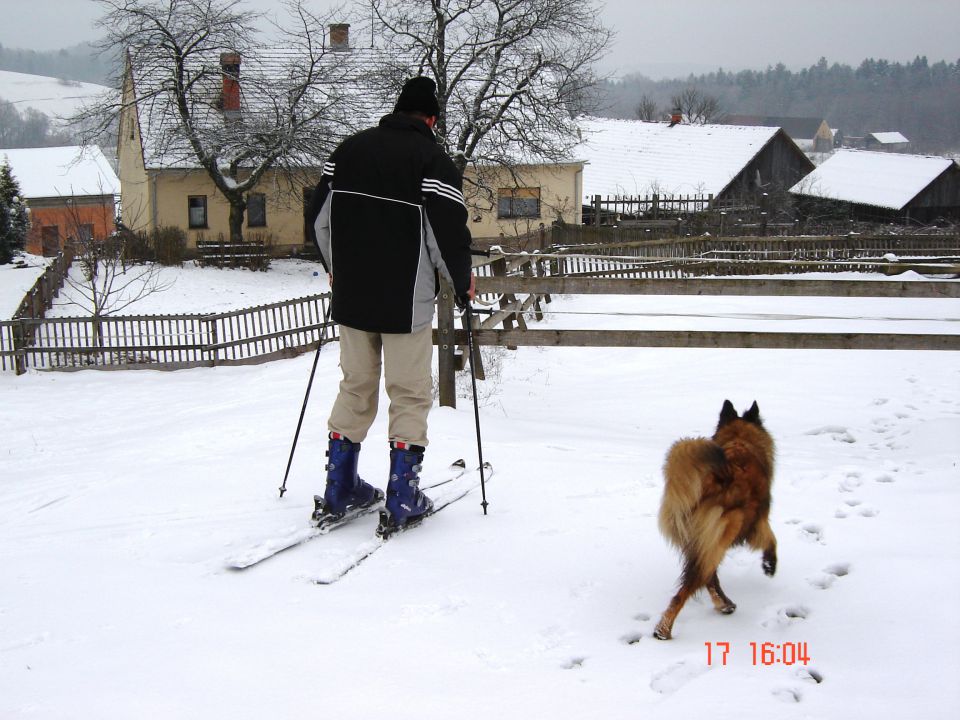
pixel 513 288
pixel 168 342
pixel 518 285
pixel 39 298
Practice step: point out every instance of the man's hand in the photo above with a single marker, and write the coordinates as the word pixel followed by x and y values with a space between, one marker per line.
pixel 464 299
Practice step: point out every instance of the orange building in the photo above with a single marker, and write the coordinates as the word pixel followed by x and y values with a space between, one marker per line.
pixel 70 192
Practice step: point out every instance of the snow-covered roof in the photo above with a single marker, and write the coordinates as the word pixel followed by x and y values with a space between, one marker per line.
pixel 71 171
pixel 880 179
pixel 889 138
pixel 55 98
pixel 357 88
pixel 342 102
pixel 630 157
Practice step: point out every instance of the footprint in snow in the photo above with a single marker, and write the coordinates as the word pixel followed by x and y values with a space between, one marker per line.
pixel 885 478
pixel 812 532
pixel 809 674
pixel 786 616
pixel 836 432
pixel 631 638
pixel 829 575
pixel 788 694
pixel 851 482
pixel 866 511
pixel 574 663
pixel 676 676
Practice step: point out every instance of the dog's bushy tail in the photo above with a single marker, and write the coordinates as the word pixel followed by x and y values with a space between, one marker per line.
pixel 691 463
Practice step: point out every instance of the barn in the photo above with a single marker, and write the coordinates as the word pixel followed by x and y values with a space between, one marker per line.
pixel 635 158
pixel 872 185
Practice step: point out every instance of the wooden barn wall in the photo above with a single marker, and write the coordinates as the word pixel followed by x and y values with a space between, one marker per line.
pixel 781 165
pixel 941 197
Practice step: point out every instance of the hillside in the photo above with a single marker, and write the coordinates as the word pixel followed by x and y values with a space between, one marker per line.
pixel 55 98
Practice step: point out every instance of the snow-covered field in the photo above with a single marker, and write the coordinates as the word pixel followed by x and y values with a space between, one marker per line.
pixel 121 494
pixel 58 99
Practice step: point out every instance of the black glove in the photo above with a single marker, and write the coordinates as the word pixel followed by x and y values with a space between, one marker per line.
pixel 462 301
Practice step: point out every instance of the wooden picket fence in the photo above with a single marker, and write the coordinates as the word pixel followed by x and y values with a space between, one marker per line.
pixel 168 342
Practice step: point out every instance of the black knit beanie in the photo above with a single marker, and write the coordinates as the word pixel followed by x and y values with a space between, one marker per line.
pixel 419 94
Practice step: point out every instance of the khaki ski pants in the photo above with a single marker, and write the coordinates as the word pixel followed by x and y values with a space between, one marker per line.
pixel 406 362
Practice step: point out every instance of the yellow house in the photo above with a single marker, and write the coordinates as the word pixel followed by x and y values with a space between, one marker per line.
pixel 160 187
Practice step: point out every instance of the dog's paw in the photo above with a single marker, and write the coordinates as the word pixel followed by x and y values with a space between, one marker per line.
pixel 662 633
pixel 769 565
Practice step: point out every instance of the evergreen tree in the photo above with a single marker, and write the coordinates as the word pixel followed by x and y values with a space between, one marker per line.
pixel 14 222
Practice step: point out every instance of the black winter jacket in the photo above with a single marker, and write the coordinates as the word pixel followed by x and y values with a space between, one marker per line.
pixel 387 215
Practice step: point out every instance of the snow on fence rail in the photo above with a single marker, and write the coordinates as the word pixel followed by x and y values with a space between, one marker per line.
pixel 167 342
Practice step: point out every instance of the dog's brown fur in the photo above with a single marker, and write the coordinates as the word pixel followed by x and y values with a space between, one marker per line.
pixel 717 495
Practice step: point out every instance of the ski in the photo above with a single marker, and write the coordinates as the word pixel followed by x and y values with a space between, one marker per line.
pixel 369 547
pixel 273 546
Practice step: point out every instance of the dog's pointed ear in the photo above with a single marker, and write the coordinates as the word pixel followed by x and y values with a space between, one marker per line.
pixel 728 413
pixel 753 414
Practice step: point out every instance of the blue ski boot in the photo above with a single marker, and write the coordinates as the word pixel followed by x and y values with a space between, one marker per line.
pixel 405 503
pixel 345 489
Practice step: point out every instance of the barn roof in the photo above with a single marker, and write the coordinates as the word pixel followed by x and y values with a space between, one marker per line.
pixel 630 157
pixel 52 172
pixel 889 138
pixel 879 179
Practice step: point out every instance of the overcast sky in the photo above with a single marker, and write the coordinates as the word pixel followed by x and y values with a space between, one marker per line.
pixel 656 37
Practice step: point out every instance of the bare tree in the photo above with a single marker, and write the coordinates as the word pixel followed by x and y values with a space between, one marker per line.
pixel 511 74
pixel 696 106
pixel 104 282
pixel 294 100
pixel 647 109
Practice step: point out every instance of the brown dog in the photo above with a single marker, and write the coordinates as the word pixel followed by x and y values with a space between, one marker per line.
pixel 717 495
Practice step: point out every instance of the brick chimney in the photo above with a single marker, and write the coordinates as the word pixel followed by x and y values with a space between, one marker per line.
pixel 340 37
pixel 230 95
pixel 676 117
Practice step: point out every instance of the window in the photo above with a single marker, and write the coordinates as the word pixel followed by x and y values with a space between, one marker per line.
pixel 256 210
pixel 197 208
pixel 518 203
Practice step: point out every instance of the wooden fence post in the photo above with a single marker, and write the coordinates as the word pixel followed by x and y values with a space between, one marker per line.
pixel 447 368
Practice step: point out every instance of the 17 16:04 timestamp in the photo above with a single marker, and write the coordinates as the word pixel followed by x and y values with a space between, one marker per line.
pixel 766 653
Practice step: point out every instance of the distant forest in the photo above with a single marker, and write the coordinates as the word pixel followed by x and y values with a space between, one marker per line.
pixel 918 99
pixel 80 62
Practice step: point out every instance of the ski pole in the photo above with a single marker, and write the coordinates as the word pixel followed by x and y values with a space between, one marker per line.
pixel 476 407
pixel 306 397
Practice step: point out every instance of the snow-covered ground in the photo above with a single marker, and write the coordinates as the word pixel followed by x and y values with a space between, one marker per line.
pixel 122 493
pixel 58 99
pixel 193 289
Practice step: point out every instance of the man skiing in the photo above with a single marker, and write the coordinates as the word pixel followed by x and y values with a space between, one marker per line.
pixel 388 216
